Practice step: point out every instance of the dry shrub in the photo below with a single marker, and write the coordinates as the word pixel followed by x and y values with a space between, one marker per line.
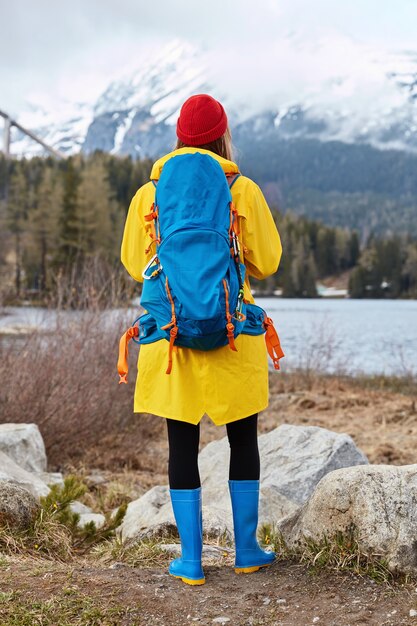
pixel 320 353
pixel 66 382
pixel 91 283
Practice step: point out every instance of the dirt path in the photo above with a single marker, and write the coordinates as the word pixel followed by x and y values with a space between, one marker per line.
pixel 284 594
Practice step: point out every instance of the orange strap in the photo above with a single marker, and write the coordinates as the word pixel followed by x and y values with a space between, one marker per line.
pixel 174 330
pixel 234 225
pixel 153 213
pixel 151 217
pixel 122 366
pixel 172 337
pixel 273 344
pixel 229 326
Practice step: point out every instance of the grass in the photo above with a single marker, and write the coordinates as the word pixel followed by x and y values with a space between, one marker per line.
pixel 55 533
pixel 113 493
pixel 146 553
pixel 342 552
pixel 405 384
pixel 300 380
pixel 70 607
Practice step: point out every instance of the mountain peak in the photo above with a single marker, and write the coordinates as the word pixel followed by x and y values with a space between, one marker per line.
pixel 356 93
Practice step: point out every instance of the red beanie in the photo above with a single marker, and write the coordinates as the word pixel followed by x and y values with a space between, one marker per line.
pixel 202 120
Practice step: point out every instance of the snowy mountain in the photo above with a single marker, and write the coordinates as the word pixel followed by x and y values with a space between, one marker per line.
pixel 358 95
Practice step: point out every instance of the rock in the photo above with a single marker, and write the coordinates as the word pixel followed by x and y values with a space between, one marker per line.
pixel 217 509
pixel 164 530
pixel 151 509
pixel 18 507
pixel 51 478
pixel 13 473
pixel 378 501
pixel 293 460
pixel 151 515
pixel 80 508
pixel 24 444
pixel 208 551
pixel 85 518
pixel 96 478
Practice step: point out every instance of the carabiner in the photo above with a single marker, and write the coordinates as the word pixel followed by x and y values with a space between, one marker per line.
pixel 146 276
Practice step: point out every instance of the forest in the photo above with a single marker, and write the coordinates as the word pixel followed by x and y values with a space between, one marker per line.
pixel 62 223
pixel 340 184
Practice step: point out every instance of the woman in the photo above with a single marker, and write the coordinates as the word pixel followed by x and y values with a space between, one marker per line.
pixel 231 387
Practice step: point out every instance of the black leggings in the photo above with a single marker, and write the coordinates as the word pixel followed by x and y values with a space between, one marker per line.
pixel 184 439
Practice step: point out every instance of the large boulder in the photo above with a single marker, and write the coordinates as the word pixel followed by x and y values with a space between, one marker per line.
pixel 13 473
pixel 24 444
pixel 51 478
pixel 150 510
pixel 379 502
pixel 18 507
pixel 152 514
pixel 293 460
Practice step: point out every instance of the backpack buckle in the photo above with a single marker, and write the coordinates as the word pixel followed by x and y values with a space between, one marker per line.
pixel 238 314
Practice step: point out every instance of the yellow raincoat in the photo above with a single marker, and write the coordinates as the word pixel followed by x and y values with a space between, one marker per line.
pixel 224 384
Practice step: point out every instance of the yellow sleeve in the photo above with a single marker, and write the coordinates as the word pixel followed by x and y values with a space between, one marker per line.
pixel 136 234
pixel 259 235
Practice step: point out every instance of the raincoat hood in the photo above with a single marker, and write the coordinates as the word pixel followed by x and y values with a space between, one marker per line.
pixel 227 166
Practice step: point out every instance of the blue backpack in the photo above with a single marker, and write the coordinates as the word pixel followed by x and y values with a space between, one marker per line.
pixel 193 285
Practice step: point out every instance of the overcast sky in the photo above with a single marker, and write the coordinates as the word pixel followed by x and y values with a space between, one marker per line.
pixel 52 49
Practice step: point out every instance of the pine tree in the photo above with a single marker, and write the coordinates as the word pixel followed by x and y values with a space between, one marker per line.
pixel 69 227
pixel 409 271
pixel 44 224
pixel 95 210
pixel 354 249
pixel 357 283
pixel 16 214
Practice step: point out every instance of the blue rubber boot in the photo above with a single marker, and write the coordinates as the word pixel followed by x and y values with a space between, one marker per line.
pixel 186 504
pixel 250 557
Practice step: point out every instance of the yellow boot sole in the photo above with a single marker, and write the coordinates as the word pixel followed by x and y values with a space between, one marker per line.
pixel 249 570
pixel 190 581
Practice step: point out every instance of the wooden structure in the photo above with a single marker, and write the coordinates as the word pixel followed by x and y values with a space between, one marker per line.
pixel 9 122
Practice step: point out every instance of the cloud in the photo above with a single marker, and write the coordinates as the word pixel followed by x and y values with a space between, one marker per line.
pixel 260 51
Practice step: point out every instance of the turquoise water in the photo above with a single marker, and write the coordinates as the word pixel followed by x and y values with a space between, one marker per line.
pixel 369 336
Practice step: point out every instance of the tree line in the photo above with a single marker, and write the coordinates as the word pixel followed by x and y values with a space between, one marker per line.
pixel 341 184
pixel 312 251
pixel 62 223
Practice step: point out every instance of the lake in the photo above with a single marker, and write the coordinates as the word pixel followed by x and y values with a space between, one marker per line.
pixel 355 336
pixel 369 336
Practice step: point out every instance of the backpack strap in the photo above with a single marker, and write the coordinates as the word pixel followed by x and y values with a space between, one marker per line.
pixel 122 366
pixel 272 341
pixel 230 329
pixel 234 233
pixel 155 235
pixel 232 178
pixel 174 328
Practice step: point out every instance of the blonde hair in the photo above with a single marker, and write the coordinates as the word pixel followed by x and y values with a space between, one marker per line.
pixel 221 146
